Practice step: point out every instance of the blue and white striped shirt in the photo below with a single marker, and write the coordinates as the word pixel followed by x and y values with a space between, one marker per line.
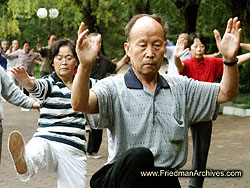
pixel 58 121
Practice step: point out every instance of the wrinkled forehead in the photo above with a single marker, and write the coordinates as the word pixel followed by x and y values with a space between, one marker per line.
pixel 146 26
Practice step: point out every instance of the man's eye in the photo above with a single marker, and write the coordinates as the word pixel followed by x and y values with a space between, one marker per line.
pixel 157 45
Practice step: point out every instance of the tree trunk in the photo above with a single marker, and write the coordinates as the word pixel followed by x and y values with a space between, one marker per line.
pixel 190 12
pixel 190 15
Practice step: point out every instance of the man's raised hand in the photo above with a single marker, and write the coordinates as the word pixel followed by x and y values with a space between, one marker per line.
pixel 86 51
pixel 230 43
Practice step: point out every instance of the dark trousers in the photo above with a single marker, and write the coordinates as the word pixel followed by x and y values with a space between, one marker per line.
pixel 94 141
pixel 126 172
pixel 201 135
pixel 1 139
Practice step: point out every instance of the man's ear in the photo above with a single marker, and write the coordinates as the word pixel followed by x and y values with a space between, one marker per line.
pixel 126 48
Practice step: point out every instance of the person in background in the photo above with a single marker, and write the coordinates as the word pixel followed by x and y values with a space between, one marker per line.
pixel 25 58
pixel 169 42
pixel 46 67
pixel 12 94
pixel 4 48
pixel 101 68
pixel 170 54
pixel 11 63
pixel 148 113
pixel 59 144
pixel 206 69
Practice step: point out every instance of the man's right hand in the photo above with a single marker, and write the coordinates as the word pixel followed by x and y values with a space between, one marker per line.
pixel 86 52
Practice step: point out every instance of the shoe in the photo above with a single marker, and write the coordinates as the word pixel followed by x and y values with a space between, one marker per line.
pixel 25 109
pixel 94 156
pixel 88 129
pixel 16 149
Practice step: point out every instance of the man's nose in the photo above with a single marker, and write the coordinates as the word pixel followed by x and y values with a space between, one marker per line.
pixel 149 52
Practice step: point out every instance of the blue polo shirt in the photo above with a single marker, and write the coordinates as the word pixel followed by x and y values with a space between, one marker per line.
pixel 136 117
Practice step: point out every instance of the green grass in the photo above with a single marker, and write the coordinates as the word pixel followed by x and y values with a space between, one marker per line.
pixel 242 101
pixel 36 71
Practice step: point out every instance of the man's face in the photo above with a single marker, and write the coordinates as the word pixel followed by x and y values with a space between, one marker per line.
pixel 184 36
pixel 15 44
pixel 146 46
pixel 197 49
pixel 5 45
pixel 26 47
pixel 52 40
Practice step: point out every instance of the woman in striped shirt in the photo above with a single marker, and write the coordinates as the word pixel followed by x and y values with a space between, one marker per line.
pixel 59 142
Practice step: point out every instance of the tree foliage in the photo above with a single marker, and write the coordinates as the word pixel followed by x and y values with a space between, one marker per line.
pixel 18 19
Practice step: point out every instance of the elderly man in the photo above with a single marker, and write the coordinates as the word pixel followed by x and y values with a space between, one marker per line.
pixel 146 113
pixel 46 67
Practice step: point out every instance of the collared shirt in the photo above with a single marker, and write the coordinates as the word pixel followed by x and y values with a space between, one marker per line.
pixel 58 121
pixel 208 70
pixel 136 117
pixel 25 60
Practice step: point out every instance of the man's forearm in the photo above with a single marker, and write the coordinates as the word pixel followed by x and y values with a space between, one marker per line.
pixel 120 63
pixel 80 89
pixel 229 84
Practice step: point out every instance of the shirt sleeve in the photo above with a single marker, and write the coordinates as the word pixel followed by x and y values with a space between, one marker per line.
pixel 201 101
pixel 12 93
pixel 13 55
pixel 104 90
pixel 41 89
pixel 38 56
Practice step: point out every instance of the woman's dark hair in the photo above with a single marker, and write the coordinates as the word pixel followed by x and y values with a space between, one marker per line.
pixel 194 35
pixel 24 42
pixel 132 21
pixel 63 42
